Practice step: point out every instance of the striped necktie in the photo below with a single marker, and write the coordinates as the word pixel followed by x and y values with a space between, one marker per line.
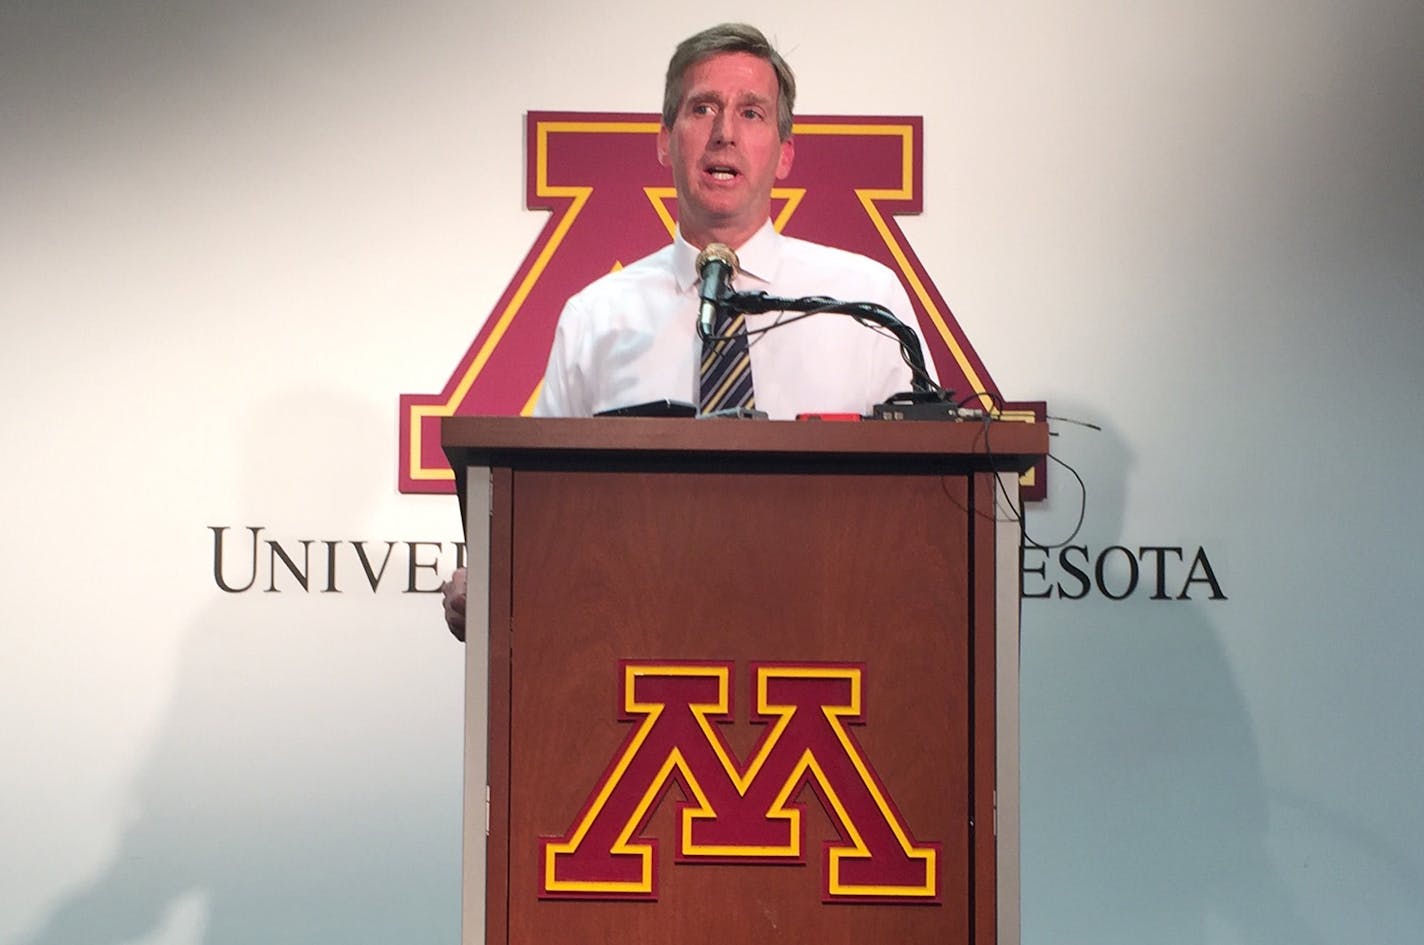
pixel 727 366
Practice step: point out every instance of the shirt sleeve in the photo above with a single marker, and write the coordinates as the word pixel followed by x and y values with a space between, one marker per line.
pixel 562 392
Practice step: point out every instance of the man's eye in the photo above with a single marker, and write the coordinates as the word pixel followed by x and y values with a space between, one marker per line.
pixel 751 114
pixel 702 109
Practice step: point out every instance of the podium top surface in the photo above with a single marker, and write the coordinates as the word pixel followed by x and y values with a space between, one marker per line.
pixel 960 446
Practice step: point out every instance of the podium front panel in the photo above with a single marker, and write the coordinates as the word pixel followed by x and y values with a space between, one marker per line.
pixel 867 574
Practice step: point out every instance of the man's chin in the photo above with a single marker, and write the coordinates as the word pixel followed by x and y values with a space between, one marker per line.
pixel 726 213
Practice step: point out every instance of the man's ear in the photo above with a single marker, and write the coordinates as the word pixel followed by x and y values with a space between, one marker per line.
pixel 788 156
pixel 664 153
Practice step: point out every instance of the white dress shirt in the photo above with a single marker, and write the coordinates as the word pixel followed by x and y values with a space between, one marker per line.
pixel 631 336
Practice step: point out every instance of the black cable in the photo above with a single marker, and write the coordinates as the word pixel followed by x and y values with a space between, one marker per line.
pixel 929 384
pixel 1016 513
pixel 866 313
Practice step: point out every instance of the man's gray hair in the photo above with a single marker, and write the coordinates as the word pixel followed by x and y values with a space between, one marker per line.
pixel 729 38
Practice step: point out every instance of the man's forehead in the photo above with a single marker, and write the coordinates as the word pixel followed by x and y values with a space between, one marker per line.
pixel 743 75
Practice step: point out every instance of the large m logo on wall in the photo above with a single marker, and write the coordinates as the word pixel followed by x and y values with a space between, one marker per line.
pixel 610 203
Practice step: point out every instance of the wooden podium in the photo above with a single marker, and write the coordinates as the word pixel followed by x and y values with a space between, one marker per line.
pixel 745 681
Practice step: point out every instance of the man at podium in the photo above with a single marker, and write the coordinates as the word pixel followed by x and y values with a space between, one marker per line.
pixel 631 337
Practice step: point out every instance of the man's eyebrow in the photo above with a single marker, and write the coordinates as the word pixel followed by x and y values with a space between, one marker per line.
pixel 701 96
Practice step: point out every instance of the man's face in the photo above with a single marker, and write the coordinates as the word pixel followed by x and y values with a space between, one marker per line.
pixel 724 149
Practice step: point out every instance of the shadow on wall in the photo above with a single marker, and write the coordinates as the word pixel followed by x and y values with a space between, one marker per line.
pixel 1144 812
pixel 304 786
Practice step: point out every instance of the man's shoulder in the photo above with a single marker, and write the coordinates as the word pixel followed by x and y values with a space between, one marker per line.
pixel 652 271
pixel 818 256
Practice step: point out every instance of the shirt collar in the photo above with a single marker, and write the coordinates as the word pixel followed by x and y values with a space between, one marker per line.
pixel 759 259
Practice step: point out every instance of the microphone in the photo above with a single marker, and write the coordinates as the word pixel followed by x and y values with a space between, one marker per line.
pixel 715 267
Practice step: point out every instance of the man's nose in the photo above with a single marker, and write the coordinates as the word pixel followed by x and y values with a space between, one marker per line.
pixel 722 128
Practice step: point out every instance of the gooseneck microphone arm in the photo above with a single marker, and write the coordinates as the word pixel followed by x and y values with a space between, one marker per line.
pixel 753 303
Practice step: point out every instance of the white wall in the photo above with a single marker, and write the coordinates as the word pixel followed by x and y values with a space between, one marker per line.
pixel 231 235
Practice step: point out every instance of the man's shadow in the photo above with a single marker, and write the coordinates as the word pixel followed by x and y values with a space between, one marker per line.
pixel 1144 812
pixel 304 786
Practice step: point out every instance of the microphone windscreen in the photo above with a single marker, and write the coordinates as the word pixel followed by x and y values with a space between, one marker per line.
pixel 722 253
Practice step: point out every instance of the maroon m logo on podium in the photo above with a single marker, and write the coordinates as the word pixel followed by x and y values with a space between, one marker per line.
pixel 741 811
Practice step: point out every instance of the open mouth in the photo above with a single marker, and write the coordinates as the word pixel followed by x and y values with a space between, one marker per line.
pixel 722 172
